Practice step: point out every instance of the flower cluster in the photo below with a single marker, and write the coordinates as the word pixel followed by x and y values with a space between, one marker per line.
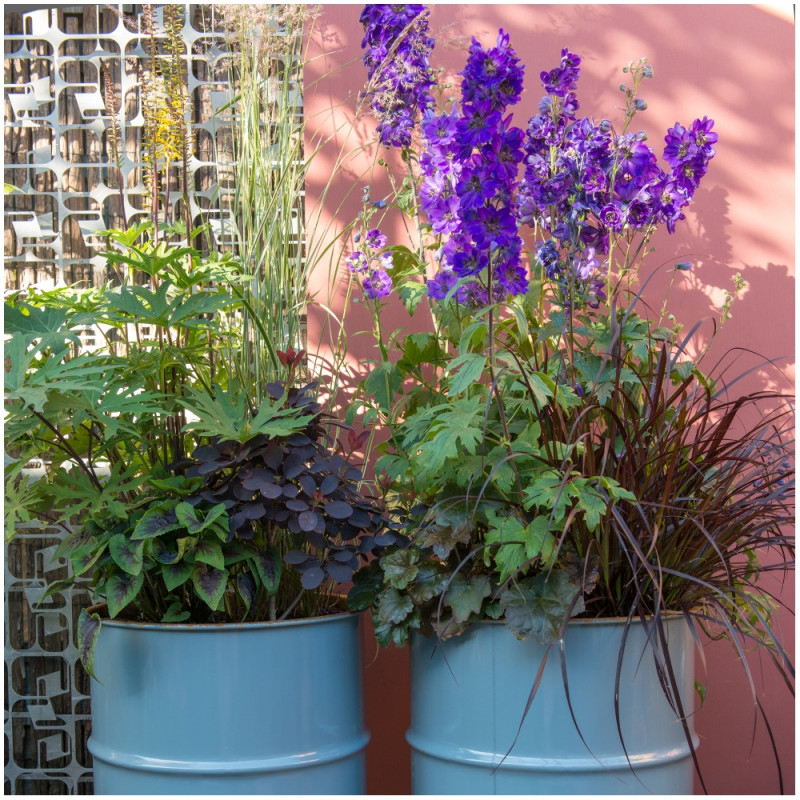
pixel 469 176
pixel 583 185
pixel 370 265
pixel 397 55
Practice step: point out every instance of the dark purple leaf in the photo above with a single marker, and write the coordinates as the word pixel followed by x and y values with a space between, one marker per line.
pixel 385 539
pixel 353 474
pixel 257 478
pixel 293 466
pixel 270 490
pixel 308 484
pixel 293 525
pixel 360 519
pixel 296 557
pixel 308 520
pixel 275 390
pixel 253 510
pixel 341 573
pixel 273 455
pixel 206 452
pixel 329 484
pixel 338 509
pixel 312 578
pixel 298 440
pixel 209 467
pixel 297 505
pixel 317 540
pixel 345 556
pixel 319 525
pixel 290 490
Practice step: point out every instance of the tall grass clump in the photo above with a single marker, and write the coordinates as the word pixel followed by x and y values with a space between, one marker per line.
pixel 268 177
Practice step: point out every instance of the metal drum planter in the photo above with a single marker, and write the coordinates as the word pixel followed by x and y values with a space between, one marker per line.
pixel 468 697
pixel 252 708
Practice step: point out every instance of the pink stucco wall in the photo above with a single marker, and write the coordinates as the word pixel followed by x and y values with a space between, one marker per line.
pixel 734 63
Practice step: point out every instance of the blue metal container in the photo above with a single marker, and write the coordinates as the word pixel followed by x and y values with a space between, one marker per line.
pixel 468 698
pixel 253 708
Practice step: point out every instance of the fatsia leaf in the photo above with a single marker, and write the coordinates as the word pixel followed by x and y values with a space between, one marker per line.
pixel 209 583
pixel 127 554
pixel 538 606
pixel 465 596
pixel 121 589
pixel 88 631
pixel 227 415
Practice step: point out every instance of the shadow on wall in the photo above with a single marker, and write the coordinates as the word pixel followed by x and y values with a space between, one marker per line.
pixel 732 63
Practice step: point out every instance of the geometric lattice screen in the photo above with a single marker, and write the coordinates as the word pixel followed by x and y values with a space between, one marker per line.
pixel 57 68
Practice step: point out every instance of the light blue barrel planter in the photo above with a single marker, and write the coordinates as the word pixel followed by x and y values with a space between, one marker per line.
pixel 468 697
pixel 253 708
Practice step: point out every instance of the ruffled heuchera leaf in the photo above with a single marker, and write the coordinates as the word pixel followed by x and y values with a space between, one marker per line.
pixel 121 589
pixel 400 567
pixel 393 607
pixel 367 582
pixel 88 631
pixel 444 539
pixel 429 583
pixel 465 596
pixel 387 632
pixel 537 606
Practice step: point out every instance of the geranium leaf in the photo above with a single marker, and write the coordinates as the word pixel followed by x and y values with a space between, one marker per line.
pixel 268 567
pixel 121 589
pixel 209 583
pixel 176 575
pixel 127 554
pixel 155 522
pixel 88 631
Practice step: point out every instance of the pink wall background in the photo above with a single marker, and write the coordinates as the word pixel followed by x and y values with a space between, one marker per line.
pixel 734 63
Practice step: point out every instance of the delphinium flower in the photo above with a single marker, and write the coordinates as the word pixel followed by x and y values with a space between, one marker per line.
pixel 397 54
pixel 469 170
pixel 370 266
pixel 583 186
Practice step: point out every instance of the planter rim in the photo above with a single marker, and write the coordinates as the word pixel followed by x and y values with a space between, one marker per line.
pixel 222 627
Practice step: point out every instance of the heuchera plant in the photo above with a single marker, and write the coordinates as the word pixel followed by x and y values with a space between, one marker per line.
pixel 552 448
